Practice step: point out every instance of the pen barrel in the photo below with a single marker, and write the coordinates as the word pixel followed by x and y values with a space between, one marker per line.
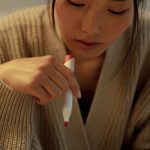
pixel 69 97
pixel 67 108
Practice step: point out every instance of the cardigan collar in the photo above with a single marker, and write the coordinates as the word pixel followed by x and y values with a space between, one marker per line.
pixel 107 118
pixel 108 115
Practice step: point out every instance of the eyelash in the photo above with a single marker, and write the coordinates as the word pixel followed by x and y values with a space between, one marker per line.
pixel 111 11
pixel 75 4
pixel 118 13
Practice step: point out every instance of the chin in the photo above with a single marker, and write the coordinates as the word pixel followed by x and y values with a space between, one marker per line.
pixel 86 55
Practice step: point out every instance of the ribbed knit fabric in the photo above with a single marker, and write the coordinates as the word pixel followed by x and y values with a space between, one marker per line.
pixel 112 124
pixel 15 115
pixel 20 36
pixel 19 32
pixel 11 114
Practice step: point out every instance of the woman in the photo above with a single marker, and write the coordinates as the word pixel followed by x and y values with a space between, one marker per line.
pixel 110 43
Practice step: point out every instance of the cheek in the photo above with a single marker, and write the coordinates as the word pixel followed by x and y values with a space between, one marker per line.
pixel 65 19
pixel 60 15
pixel 118 27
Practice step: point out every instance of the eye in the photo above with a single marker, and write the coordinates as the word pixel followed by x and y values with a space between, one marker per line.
pixel 75 4
pixel 118 12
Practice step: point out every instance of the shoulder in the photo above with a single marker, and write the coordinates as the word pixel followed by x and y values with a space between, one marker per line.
pixel 25 23
pixel 21 33
pixel 23 17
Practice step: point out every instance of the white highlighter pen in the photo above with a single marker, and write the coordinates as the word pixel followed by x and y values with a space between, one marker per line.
pixel 67 108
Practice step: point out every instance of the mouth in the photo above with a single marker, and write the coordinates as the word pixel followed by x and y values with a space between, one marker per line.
pixel 86 45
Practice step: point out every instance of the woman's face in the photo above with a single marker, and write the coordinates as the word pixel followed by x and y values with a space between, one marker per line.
pixel 89 27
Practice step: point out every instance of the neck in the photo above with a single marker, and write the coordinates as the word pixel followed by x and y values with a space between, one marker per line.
pixel 88 71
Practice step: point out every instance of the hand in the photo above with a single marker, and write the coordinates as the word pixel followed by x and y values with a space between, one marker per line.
pixel 43 77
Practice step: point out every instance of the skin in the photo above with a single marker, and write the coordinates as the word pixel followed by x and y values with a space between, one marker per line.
pixel 46 78
pixel 82 23
pixel 43 77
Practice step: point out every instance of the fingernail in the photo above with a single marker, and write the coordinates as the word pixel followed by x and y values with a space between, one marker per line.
pixel 79 94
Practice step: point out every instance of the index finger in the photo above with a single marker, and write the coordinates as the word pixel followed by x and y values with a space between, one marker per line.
pixel 69 75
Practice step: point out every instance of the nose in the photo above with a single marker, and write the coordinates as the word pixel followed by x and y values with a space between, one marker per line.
pixel 90 23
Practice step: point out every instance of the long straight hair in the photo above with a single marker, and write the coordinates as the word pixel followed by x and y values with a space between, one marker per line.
pixel 135 34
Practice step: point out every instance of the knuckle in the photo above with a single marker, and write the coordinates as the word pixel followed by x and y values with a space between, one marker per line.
pixel 43 68
pixel 50 58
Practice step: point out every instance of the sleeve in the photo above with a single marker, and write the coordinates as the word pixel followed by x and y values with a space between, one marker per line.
pixel 16 115
pixel 16 112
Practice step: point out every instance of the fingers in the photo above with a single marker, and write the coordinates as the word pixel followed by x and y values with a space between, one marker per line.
pixel 59 79
pixel 69 76
pixel 52 88
pixel 74 85
pixel 52 80
pixel 46 91
pixel 42 95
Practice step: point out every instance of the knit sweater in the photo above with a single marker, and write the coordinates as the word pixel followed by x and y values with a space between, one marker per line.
pixel 113 123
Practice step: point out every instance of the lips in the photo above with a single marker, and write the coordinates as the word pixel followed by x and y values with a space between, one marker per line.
pixel 86 45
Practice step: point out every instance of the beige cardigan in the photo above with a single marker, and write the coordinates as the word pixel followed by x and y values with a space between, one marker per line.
pixel 119 116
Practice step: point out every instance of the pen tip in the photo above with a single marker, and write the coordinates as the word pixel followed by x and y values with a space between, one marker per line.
pixel 66 123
